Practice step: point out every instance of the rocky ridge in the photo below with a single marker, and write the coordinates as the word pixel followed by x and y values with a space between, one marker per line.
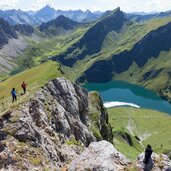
pixel 50 129
pixel 59 128
pixel 24 29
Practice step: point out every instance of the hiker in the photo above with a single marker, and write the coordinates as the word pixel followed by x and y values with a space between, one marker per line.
pixel 147 159
pixel 14 95
pixel 24 85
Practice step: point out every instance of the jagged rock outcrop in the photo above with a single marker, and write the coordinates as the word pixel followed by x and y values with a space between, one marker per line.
pixel 51 129
pixel 6 32
pixel 100 156
pixel 158 163
pixel 24 29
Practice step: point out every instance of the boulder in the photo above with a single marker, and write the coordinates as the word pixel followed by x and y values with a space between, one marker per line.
pixel 157 163
pixel 99 156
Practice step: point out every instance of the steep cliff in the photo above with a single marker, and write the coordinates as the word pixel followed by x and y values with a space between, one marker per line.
pixel 24 29
pixel 53 127
pixel 6 32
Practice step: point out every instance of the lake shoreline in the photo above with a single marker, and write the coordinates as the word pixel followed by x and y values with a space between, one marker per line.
pixel 121 93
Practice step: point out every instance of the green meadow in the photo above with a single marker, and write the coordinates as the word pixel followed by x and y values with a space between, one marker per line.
pixel 143 127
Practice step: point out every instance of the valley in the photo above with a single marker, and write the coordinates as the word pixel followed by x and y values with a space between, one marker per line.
pixel 120 58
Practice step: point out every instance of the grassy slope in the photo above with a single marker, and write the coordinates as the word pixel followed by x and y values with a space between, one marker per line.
pixel 35 78
pixel 158 83
pixel 153 126
pixel 49 45
pixel 116 43
pixel 41 45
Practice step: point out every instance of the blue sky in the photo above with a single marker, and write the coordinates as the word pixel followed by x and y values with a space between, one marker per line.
pixel 126 5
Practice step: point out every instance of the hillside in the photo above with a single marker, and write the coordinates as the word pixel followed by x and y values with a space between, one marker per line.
pixel 13 40
pixel 121 62
pixel 58 26
pixel 135 128
pixel 35 78
pixel 24 29
pixel 92 40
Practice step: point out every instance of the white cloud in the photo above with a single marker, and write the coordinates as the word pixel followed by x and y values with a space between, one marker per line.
pixel 37 4
pixel 6 4
pixel 126 5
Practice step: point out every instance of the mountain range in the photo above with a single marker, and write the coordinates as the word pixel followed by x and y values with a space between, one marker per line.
pixel 57 119
pixel 48 13
pixel 115 45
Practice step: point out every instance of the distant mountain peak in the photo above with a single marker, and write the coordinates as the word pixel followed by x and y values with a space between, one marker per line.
pixel 45 14
pixel 116 12
pixel 59 25
pixel 48 7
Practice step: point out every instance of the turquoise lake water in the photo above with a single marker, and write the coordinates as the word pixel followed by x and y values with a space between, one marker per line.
pixel 119 91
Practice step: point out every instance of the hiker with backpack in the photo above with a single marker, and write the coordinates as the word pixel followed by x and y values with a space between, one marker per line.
pixel 24 85
pixel 147 158
pixel 14 95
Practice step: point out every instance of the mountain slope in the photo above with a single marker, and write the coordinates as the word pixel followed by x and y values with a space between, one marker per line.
pixel 12 43
pixel 45 14
pixel 121 62
pixel 18 17
pixel 142 128
pixel 6 32
pixel 60 25
pixel 62 119
pixel 24 29
pixel 92 40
